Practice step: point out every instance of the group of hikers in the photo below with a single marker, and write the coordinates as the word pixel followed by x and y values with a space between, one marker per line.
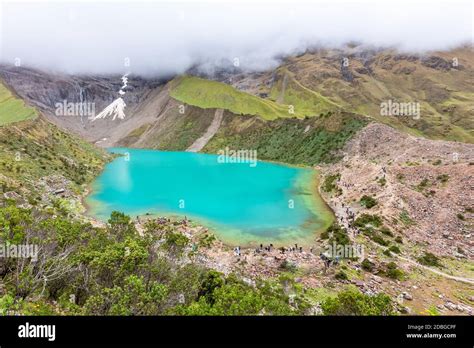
pixel 282 249
pixel 327 259
pixel 349 219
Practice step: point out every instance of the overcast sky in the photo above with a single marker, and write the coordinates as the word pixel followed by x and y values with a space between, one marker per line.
pixel 161 38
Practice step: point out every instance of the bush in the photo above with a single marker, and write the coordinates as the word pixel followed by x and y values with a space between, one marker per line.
pixel 386 231
pixel 382 181
pixel 324 235
pixel 393 272
pixel 353 302
pixel 379 240
pixel 329 184
pixel 368 201
pixel 176 242
pixel 443 178
pixel 367 219
pixel 288 266
pixel 399 240
pixel 394 249
pixel 341 276
pixel 367 265
pixel 338 234
pixel 422 185
pixel 406 219
pixel 429 259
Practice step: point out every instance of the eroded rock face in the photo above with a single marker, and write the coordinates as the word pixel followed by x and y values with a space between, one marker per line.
pixel 54 93
pixel 437 63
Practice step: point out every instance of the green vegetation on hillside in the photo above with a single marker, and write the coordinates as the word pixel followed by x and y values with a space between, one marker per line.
pixel 368 201
pixel 429 259
pixel 287 90
pixel 330 184
pixel 117 271
pixel 353 302
pixel 308 142
pixel 209 94
pixel 35 149
pixel 13 109
pixel 445 96
pixel 38 148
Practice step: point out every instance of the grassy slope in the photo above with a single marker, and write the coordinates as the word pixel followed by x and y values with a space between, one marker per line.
pixel 304 100
pixel 312 135
pixel 446 96
pixel 13 109
pixel 35 148
pixel 212 94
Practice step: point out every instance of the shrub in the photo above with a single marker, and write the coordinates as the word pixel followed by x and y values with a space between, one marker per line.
pixel 367 219
pixel 429 259
pixel 386 231
pixel 422 185
pixel 393 272
pixel 329 184
pixel 443 178
pixel 368 201
pixel 394 249
pixel 324 235
pixel 336 234
pixel 405 218
pixel 379 240
pixel 367 265
pixel 341 276
pixel 353 302
pixel 288 266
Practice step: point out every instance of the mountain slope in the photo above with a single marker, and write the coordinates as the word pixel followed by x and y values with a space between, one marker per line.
pixel 423 198
pixel 309 141
pixel 175 114
pixel 13 109
pixel 46 91
pixel 360 79
pixel 213 94
pixel 37 158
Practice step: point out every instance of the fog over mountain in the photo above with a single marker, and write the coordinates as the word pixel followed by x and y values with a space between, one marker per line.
pixel 164 38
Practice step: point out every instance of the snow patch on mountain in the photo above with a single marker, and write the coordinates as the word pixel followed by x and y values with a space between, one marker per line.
pixel 117 107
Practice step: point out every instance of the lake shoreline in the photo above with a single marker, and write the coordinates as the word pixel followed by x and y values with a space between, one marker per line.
pixel 306 185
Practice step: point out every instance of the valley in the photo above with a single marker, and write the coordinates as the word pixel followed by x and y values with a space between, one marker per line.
pixel 399 186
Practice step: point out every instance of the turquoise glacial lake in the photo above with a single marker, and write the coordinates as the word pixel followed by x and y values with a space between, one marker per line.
pixel 243 204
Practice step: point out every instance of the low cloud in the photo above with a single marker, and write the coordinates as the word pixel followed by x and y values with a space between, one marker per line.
pixel 165 38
